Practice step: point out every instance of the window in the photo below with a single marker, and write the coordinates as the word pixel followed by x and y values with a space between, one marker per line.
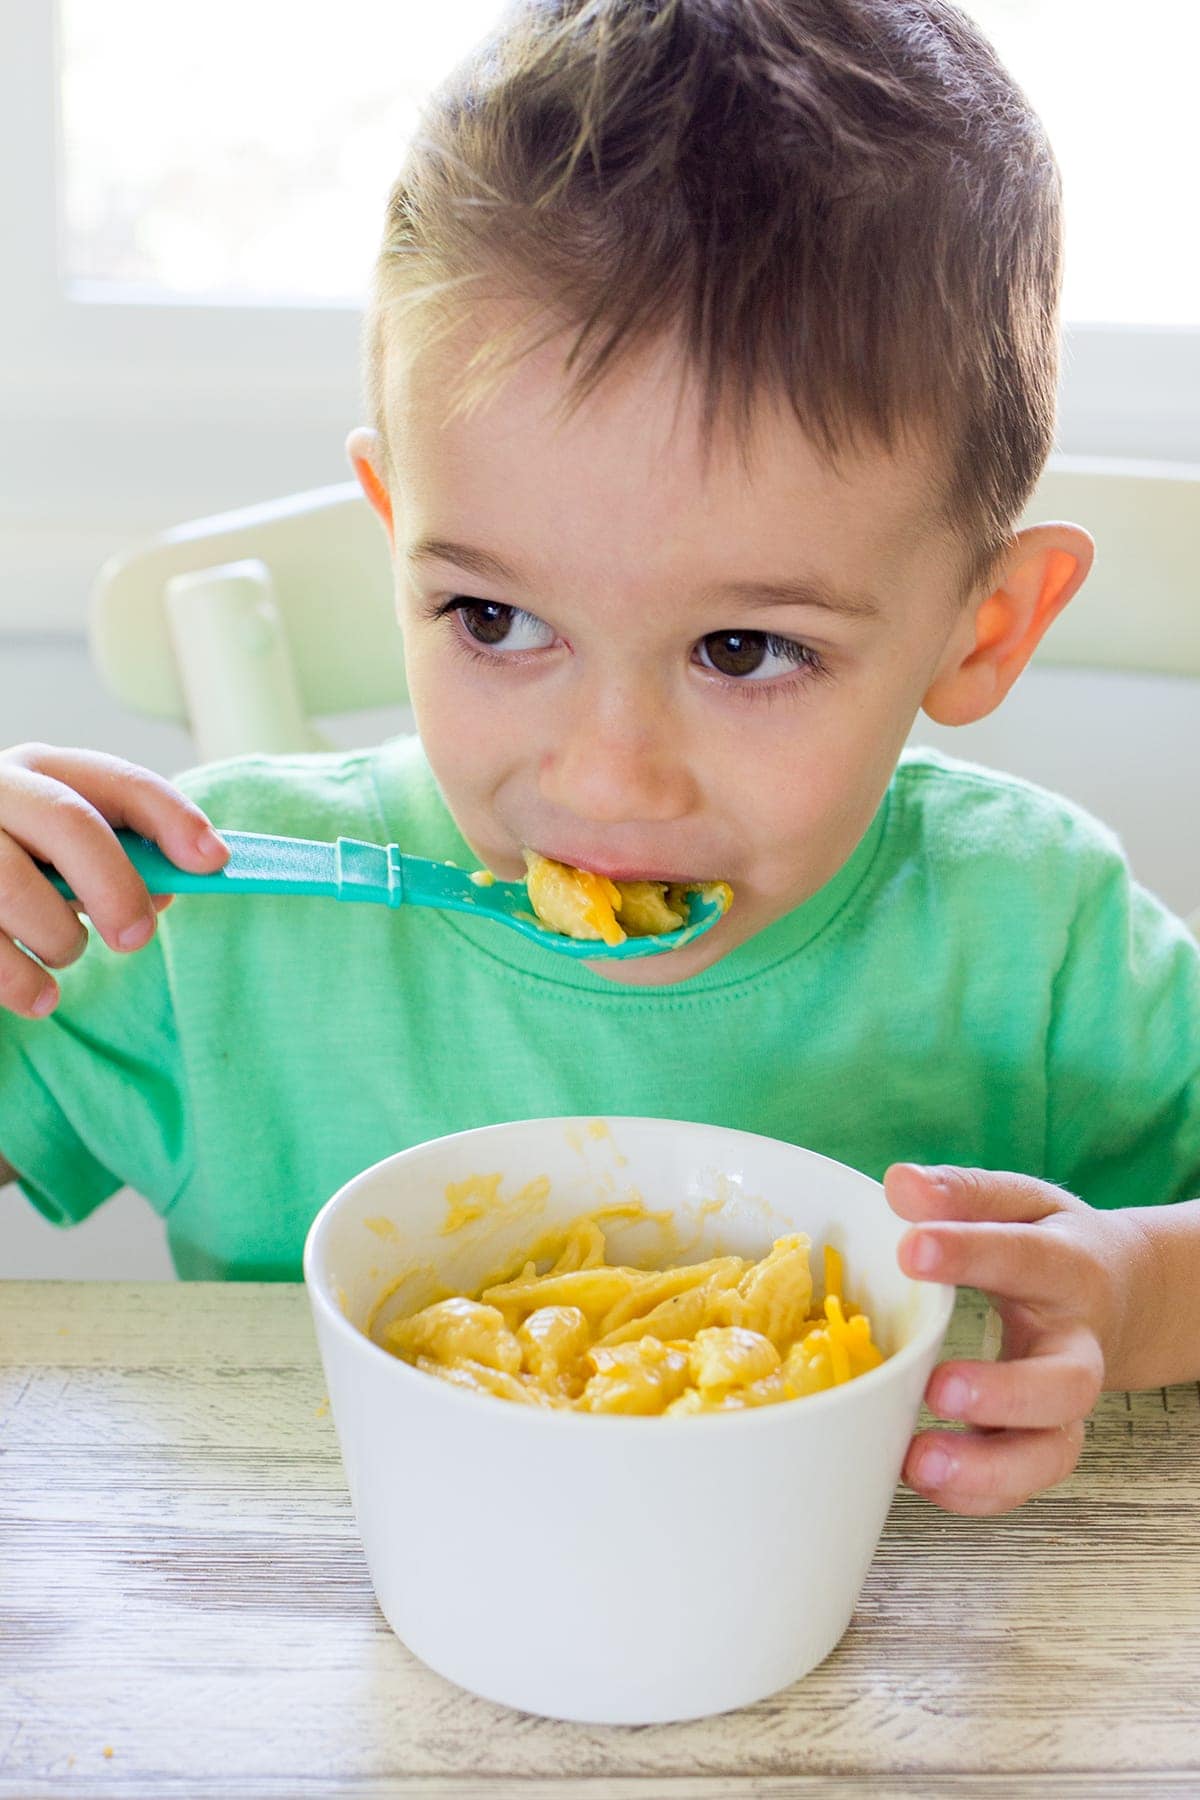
pixel 1114 85
pixel 191 215
pixel 255 164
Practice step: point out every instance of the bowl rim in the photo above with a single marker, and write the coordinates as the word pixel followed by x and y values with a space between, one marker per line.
pixel 535 1417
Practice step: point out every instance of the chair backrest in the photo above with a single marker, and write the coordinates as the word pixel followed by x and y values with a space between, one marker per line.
pixel 288 604
pixel 244 625
pixel 1138 608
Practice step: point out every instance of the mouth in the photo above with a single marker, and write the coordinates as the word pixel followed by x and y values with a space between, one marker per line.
pixel 619 871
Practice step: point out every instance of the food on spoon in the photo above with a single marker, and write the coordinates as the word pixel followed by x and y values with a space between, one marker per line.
pixel 573 901
pixel 645 909
pixel 580 904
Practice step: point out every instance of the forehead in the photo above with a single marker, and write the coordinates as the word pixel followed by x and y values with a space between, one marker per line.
pixel 632 475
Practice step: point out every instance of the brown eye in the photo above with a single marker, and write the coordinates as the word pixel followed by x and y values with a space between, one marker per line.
pixel 487 621
pixel 508 630
pixel 735 652
pixel 755 658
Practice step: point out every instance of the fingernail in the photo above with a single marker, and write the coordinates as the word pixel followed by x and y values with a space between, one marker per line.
pixel 209 844
pixel 924 1254
pixel 45 1001
pixel 954 1397
pixel 935 1468
pixel 134 936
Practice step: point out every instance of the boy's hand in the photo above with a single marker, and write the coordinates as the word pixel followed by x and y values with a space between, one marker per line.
pixel 1059 1274
pixel 59 806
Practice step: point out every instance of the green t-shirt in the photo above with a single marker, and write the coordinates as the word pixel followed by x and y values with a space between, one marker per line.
pixel 982 982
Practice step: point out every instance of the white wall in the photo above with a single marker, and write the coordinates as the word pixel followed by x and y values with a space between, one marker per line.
pixel 1127 747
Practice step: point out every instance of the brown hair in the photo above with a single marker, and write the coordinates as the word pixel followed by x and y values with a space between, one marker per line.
pixel 848 204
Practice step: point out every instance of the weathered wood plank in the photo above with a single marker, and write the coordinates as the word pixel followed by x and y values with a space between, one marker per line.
pixel 181 1582
pixel 113 1785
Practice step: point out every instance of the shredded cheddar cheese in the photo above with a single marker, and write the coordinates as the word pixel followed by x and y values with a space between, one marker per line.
pixel 833 1272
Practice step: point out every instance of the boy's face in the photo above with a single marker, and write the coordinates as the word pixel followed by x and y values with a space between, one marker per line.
pixel 620 699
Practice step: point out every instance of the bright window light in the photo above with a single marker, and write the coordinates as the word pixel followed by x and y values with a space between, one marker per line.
pixel 249 158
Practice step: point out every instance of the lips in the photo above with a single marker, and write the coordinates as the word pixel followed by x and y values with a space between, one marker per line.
pixel 614 871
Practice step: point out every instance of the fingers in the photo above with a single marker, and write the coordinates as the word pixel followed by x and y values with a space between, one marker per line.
pixel 948 1192
pixel 1033 1264
pixel 47 816
pixel 1019 1240
pixel 61 807
pixel 47 820
pixel 1058 1384
pixel 24 987
pixel 33 912
pixel 993 1473
pixel 127 795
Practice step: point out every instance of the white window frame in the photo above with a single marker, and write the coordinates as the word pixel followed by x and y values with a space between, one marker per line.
pixel 105 401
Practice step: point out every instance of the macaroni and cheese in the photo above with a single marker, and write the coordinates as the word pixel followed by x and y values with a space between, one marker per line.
pixel 580 904
pixel 588 1336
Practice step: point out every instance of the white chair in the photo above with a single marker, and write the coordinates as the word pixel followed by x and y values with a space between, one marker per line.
pixel 246 625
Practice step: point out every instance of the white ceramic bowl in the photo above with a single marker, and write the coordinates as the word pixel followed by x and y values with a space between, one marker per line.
pixel 599 1568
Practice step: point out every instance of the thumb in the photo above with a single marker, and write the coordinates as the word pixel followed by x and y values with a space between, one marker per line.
pixel 946 1191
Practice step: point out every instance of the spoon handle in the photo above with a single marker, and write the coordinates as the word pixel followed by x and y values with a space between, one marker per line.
pixel 260 864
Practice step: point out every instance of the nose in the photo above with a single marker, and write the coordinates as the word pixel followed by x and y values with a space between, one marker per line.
pixel 619 757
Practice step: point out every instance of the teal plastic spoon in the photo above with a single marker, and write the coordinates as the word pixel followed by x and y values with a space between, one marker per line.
pixel 381 874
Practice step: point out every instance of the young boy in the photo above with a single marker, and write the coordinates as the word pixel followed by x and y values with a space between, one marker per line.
pixel 711 362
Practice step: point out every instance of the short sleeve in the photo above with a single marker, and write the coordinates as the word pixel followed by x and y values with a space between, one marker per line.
pixel 1123 1052
pixel 92 1099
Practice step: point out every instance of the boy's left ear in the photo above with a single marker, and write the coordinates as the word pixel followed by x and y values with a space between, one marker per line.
pixel 1000 632
pixel 365 453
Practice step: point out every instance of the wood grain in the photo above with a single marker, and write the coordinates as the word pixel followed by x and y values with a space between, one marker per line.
pixel 181 1584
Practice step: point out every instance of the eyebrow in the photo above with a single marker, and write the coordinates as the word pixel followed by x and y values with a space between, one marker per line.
pixel 810 590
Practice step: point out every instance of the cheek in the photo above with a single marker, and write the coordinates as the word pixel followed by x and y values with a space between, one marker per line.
pixel 803 797
pixel 797 820
pixel 785 782
pixel 471 736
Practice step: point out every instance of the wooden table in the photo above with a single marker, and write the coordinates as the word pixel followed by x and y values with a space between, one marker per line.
pixel 185 1610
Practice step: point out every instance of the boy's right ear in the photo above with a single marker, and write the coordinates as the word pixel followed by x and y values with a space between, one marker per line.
pixel 364 450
